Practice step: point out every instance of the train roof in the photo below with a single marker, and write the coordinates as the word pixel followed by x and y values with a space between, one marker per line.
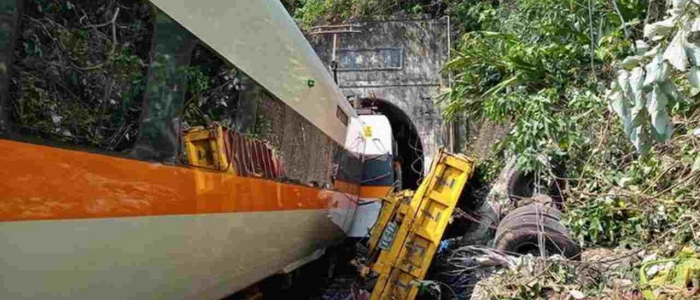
pixel 261 39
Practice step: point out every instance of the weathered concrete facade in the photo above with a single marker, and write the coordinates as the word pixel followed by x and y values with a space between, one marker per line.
pixel 396 61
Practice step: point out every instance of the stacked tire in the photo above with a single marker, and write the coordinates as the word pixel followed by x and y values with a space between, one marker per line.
pixel 534 229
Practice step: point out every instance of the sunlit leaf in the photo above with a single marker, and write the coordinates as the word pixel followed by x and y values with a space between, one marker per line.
pixel 653 51
pixel 657 71
pixel 502 85
pixel 675 53
pixel 636 93
pixel 618 103
pixel 641 140
pixel 623 82
pixel 631 61
pixel 661 121
pixel 661 28
pixel 694 79
pixel 668 88
pixel 641 46
pixel 693 52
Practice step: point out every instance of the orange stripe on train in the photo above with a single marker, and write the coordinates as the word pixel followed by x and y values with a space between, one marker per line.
pixel 374 191
pixel 40 183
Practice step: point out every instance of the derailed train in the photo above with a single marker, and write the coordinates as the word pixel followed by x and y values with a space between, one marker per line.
pixel 118 181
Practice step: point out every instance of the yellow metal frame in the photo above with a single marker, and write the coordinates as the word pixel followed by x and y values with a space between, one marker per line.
pixel 206 148
pixel 422 222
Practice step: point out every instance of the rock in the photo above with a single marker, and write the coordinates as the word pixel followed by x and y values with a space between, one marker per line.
pixel 577 294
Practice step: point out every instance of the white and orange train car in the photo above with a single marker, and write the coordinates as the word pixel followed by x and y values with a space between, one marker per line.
pixel 168 149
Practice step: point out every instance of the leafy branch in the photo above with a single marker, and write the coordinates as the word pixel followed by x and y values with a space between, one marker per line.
pixel 644 94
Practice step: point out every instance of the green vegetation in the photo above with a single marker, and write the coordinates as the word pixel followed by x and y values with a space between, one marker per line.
pixel 318 12
pixel 213 90
pixel 543 66
pixel 80 70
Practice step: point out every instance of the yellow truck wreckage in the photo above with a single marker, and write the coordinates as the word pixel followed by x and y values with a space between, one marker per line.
pixel 410 226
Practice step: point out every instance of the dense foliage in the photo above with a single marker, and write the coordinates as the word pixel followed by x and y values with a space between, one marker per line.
pixel 318 12
pixel 80 71
pixel 644 94
pixel 213 90
pixel 543 67
pixel 532 63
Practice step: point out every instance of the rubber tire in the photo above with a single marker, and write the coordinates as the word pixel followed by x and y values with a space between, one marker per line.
pixel 520 185
pixel 519 233
pixel 534 209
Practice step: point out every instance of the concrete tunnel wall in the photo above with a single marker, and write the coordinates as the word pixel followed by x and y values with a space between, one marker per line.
pixel 395 60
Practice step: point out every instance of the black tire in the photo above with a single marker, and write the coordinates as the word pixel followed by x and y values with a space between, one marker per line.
pixel 521 185
pixel 534 209
pixel 519 233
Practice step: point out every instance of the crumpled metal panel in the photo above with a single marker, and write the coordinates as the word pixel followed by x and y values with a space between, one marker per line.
pixel 251 157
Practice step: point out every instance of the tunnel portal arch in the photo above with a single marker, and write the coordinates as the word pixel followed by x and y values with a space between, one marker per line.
pixel 395 63
pixel 408 144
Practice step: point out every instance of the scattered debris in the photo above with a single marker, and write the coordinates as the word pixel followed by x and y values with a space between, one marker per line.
pixel 556 278
pixel 676 278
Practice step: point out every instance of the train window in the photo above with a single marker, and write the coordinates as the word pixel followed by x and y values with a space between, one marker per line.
pixel 9 12
pixel 159 139
pixel 341 115
pixel 189 85
pixel 219 92
pixel 214 90
pixel 79 71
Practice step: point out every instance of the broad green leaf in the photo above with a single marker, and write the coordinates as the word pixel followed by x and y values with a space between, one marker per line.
pixel 640 139
pixel 660 119
pixel 620 100
pixel 675 53
pixel 694 78
pixel 636 84
pixel 657 71
pixel 671 92
pixel 653 51
pixel 631 61
pixel 659 29
pixel 623 81
pixel 618 104
pixel 642 47
pixel 693 52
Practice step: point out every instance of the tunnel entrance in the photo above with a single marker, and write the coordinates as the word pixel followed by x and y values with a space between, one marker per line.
pixel 408 150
